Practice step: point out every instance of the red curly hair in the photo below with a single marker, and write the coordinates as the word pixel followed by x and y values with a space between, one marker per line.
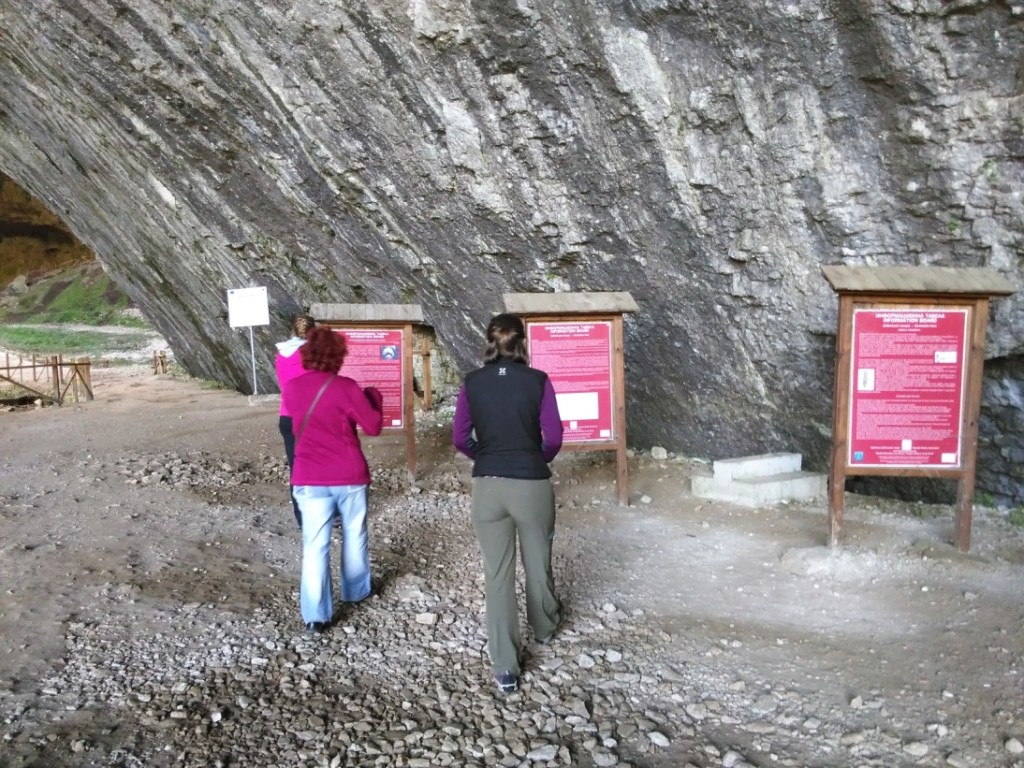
pixel 324 350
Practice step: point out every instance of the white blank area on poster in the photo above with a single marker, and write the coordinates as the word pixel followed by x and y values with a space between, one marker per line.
pixel 577 406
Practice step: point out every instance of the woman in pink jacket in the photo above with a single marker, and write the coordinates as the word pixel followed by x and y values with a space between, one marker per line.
pixel 289 365
pixel 330 478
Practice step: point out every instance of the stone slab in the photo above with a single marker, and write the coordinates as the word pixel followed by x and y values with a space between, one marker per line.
pixel 569 303
pixel 367 313
pixel 964 280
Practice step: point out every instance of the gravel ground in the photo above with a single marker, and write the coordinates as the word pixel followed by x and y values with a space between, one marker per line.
pixel 149 612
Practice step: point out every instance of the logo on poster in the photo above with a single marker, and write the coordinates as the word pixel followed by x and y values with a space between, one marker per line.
pixel 388 352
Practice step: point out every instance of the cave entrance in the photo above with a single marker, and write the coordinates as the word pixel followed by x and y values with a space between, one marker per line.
pixel 56 298
pixel 33 240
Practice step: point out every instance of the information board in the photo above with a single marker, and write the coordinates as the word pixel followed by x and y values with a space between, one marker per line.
pixel 907 387
pixel 248 307
pixel 375 359
pixel 577 357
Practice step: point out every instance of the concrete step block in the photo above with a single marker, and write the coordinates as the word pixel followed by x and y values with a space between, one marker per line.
pixel 757 466
pixel 786 486
pixel 755 491
pixel 706 486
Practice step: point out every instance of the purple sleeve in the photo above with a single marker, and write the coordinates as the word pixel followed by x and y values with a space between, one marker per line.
pixel 550 423
pixel 462 426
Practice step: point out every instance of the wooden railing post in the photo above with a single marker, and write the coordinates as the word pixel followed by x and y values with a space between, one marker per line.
pixel 76 380
pixel 86 372
pixel 55 367
pixel 428 398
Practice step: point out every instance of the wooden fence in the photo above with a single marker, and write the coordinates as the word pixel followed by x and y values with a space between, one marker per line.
pixel 49 377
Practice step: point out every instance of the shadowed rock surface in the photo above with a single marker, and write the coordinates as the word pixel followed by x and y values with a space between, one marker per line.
pixel 706 156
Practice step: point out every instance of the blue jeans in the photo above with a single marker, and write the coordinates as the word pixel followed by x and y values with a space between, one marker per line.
pixel 319 505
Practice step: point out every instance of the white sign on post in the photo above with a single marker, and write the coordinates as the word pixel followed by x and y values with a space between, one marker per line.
pixel 248 307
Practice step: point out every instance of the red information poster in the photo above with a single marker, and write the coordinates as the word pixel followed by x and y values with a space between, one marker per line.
pixel 907 387
pixel 375 360
pixel 577 357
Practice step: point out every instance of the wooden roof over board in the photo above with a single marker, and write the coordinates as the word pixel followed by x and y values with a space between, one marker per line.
pixel 569 303
pixel 367 313
pixel 960 280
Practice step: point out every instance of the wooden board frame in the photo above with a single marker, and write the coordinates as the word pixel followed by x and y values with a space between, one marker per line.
pixel 618 393
pixel 389 317
pixel 916 289
pixel 408 427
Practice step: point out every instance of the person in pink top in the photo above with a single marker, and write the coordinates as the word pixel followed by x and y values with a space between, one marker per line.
pixel 330 477
pixel 288 365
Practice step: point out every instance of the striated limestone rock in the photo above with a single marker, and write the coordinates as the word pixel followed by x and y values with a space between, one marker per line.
pixel 705 156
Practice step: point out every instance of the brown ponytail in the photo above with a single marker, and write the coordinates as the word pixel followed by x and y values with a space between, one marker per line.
pixel 506 338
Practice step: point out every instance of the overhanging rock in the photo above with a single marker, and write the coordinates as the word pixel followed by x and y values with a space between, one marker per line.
pixel 706 157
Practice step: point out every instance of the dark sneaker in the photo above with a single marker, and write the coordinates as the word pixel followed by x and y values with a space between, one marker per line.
pixel 508 682
pixel 316 627
pixel 377 587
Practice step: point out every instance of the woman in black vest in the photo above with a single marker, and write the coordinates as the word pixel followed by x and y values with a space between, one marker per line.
pixel 507 421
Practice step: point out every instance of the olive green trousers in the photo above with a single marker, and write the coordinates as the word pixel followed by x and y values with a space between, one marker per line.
pixel 504 510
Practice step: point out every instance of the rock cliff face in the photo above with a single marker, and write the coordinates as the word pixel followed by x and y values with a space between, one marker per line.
pixel 705 155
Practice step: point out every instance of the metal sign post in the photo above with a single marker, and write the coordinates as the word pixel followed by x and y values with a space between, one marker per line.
pixel 248 307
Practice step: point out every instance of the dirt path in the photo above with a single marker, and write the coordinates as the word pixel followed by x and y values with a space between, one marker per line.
pixel 893 650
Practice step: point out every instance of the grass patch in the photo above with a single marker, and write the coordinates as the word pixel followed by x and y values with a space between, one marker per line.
pixel 46 341
pixel 82 295
pixel 1016 517
pixel 212 384
pixel 91 300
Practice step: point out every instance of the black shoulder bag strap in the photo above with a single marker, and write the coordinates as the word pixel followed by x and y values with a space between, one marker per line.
pixel 312 405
